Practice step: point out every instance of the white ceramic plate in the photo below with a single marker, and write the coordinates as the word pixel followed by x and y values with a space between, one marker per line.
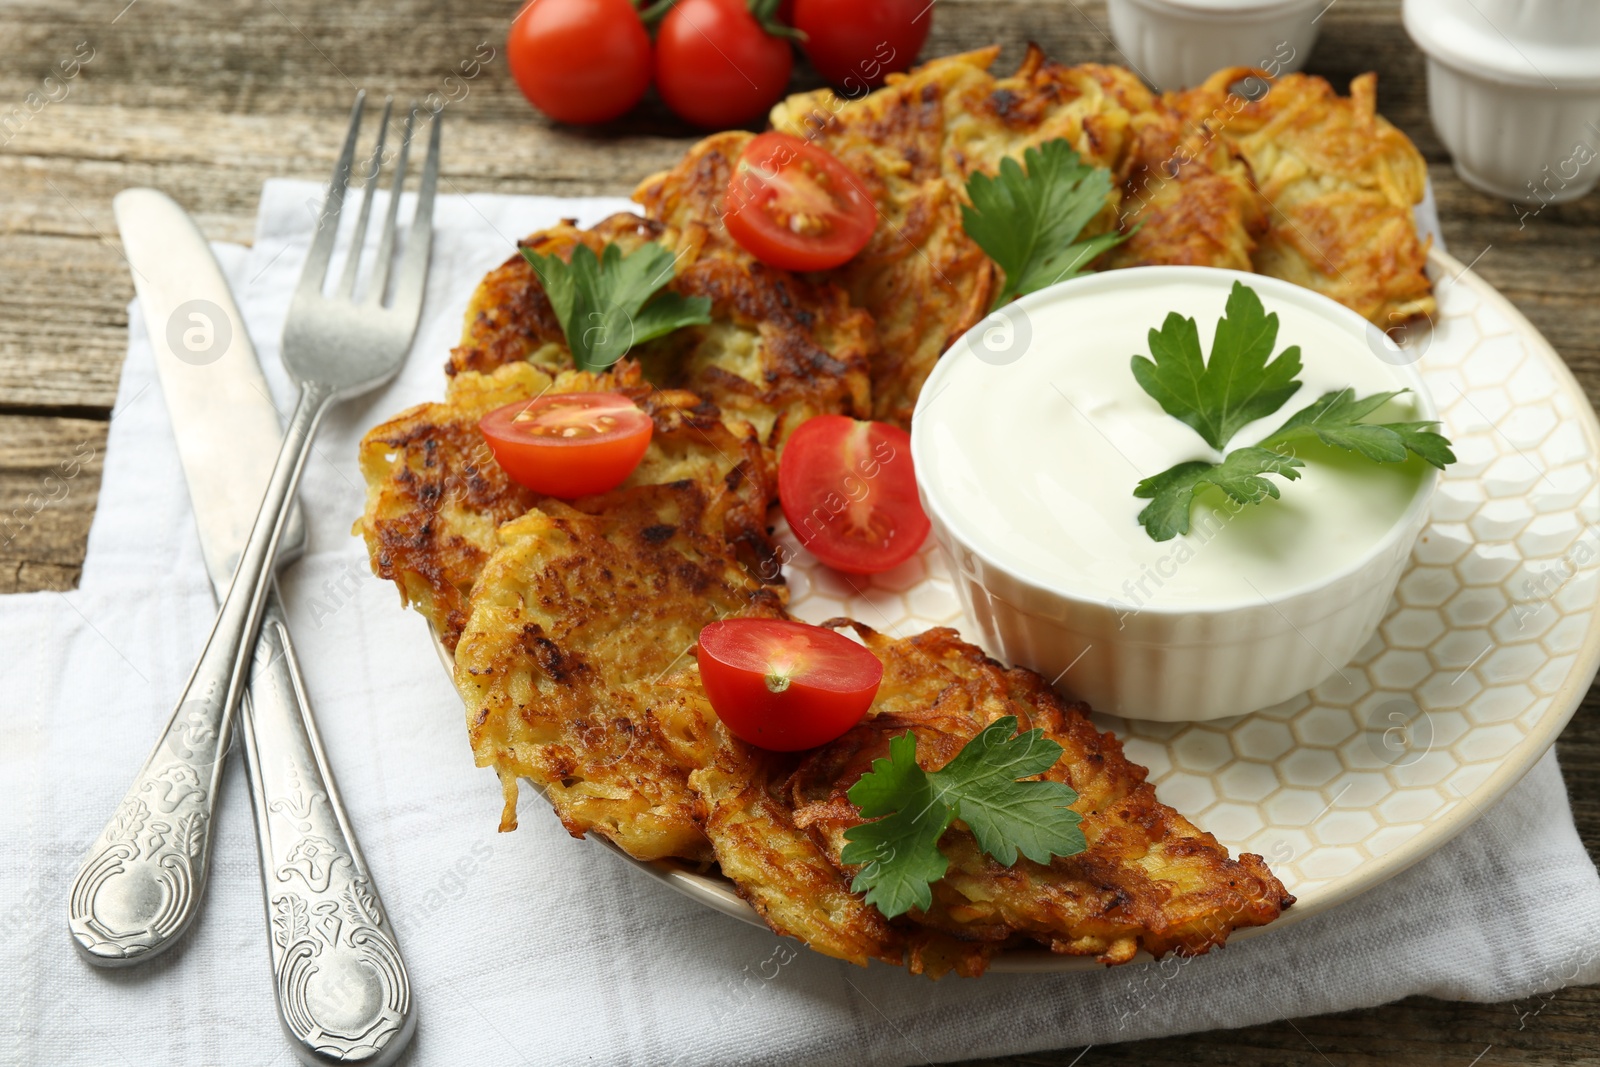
pixel 1489 646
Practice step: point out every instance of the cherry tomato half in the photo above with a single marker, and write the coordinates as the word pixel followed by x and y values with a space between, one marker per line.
pixel 855 45
pixel 794 206
pixel 786 685
pixel 580 60
pixel 571 444
pixel 850 493
pixel 715 64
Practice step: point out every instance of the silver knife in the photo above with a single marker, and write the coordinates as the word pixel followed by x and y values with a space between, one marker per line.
pixel 343 994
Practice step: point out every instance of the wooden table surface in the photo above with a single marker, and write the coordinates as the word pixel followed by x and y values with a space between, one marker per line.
pixel 206 100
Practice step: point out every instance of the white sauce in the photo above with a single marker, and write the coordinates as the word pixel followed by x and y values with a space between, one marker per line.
pixel 1034 462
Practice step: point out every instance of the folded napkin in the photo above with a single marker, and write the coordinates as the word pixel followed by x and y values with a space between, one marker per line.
pixel 533 947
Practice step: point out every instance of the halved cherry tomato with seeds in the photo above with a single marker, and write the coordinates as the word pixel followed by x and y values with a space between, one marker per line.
pixel 570 444
pixel 786 685
pixel 850 493
pixel 794 206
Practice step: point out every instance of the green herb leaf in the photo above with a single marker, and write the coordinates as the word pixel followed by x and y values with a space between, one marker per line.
pixel 900 851
pixel 1171 493
pixel 1029 222
pixel 606 304
pixel 1335 419
pixel 1239 385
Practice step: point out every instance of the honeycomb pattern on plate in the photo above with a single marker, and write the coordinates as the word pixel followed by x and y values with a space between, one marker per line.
pixel 1490 626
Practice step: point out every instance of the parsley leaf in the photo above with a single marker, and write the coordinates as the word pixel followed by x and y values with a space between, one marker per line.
pixel 1171 493
pixel 1029 223
pixel 606 304
pixel 1238 386
pixel 1335 419
pixel 900 850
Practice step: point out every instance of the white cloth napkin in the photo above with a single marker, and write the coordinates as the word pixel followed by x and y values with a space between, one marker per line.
pixel 532 947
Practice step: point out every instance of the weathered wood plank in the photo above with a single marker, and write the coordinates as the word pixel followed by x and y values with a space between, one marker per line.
pixel 49 479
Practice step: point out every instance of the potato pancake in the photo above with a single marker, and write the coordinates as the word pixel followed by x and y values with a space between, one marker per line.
pixel 1341 181
pixel 915 143
pixel 778 350
pixel 577 616
pixel 435 495
pixel 1149 879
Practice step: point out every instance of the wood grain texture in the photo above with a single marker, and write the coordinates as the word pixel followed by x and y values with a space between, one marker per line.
pixel 206 100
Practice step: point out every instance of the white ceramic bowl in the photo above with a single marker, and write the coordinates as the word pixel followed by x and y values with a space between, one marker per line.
pixel 1179 43
pixel 1167 662
pixel 1514 92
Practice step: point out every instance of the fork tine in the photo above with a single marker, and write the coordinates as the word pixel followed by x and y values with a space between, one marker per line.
pixel 419 238
pixel 316 268
pixel 347 284
pixel 380 268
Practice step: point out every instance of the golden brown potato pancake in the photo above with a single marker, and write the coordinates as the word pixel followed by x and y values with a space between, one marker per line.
pixel 435 495
pixel 917 141
pixel 1149 879
pixel 1341 181
pixel 778 350
pixel 577 617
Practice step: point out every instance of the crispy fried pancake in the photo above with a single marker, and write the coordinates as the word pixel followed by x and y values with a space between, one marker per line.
pixel 783 348
pixel 778 350
pixel 1149 879
pixel 917 141
pixel 576 619
pixel 1341 181
pixel 435 494
pixel 1187 198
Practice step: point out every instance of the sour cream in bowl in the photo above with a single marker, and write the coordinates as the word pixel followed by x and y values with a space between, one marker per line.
pixel 1032 433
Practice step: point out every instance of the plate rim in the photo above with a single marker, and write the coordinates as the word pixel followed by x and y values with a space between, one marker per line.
pixel 720 894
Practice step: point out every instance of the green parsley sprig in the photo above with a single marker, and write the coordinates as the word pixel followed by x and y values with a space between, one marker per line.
pixel 912 808
pixel 1240 384
pixel 606 304
pixel 1028 222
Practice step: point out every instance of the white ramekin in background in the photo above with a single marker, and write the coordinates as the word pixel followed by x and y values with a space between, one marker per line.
pixel 1514 92
pixel 1179 43
pixel 1169 662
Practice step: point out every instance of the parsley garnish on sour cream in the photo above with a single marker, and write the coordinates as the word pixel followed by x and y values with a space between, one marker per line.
pixel 1241 383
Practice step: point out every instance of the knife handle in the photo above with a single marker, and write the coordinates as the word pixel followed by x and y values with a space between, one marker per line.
pixel 342 989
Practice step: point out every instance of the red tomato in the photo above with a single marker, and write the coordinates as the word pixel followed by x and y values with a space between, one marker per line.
pixel 571 444
pixel 580 60
pixel 716 66
pixel 786 685
pixel 850 494
pixel 794 206
pixel 855 43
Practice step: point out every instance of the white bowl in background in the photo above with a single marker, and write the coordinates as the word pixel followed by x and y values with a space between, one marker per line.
pixel 1514 92
pixel 1176 44
pixel 1188 658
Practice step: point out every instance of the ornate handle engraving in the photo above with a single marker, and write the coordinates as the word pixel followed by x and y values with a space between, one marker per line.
pixel 138 889
pixel 342 989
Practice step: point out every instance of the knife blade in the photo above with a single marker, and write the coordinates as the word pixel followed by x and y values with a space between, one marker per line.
pixel 228 433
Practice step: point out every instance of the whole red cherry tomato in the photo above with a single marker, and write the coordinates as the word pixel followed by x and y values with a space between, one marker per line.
pixel 717 66
pixel 855 43
pixel 580 60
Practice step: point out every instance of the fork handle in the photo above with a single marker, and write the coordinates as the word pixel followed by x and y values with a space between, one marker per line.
pixel 140 886
pixel 342 990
